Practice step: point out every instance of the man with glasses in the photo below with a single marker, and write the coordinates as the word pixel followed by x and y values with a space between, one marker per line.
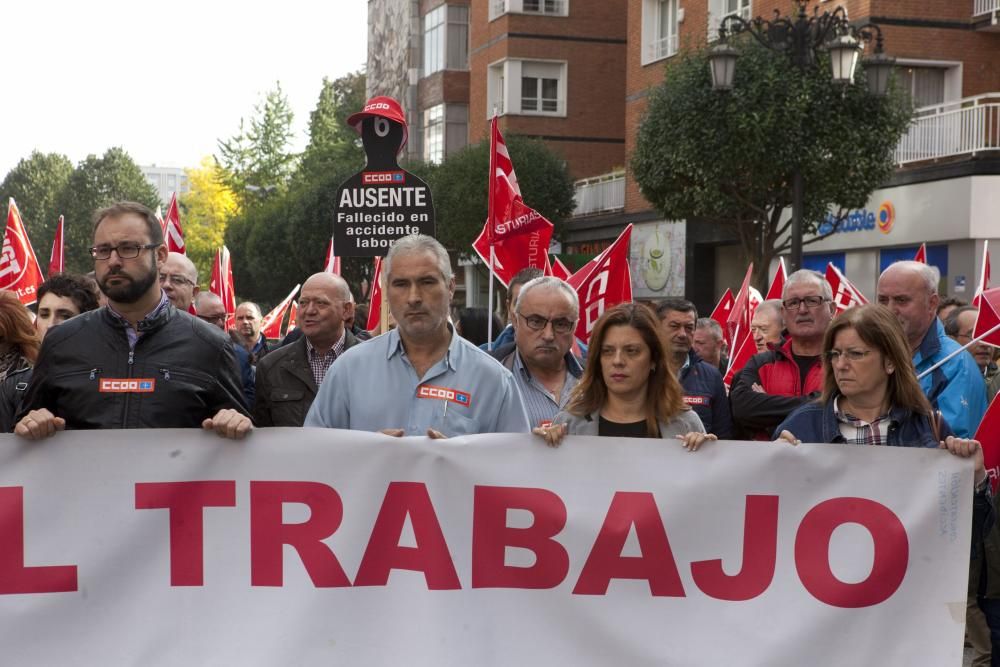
pixel 210 309
pixel 544 318
pixel 139 362
pixel 910 290
pixel 179 280
pixel 702 382
pixel 775 382
pixel 420 378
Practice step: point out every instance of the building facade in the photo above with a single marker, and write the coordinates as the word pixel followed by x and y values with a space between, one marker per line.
pixel 166 180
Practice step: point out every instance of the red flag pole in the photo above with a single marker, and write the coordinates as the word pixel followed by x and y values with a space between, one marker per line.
pixel 491 182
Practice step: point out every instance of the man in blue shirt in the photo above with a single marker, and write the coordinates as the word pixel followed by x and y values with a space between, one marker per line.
pixel 956 388
pixel 420 378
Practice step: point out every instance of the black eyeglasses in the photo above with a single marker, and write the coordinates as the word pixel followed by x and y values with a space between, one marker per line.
pixel 810 301
pixel 174 279
pixel 560 325
pixel 213 319
pixel 124 250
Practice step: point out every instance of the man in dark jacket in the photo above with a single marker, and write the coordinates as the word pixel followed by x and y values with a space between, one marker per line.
pixel 775 382
pixel 138 362
pixel 701 381
pixel 289 377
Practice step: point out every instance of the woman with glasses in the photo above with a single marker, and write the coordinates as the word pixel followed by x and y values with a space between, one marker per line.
pixel 871 395
pixel 627 388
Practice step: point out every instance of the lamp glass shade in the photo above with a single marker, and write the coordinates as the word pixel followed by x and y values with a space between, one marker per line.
pixel 722 65
pixel 844 53
pixel 878 69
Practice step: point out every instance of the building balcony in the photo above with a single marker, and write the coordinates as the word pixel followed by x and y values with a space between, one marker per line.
pixel 600 194
pixel 986 15
pixel 968 126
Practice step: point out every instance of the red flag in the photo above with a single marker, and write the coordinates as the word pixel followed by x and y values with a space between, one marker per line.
pixel 988 435
pixel 744 352
pixel 293 312
pixel 332 263
pixel 721 313
pixel 778 282
pixel 519 235
pixel 560 270
pixel 173 233
pixel 222 285
pixel 56 258
pixel 738 322
pixel 375 303
pixel 19 271
pixel 271 324
pixel 988 318
pixel 603 282
pixel 845 294
pixel 984 276
pixel 921 255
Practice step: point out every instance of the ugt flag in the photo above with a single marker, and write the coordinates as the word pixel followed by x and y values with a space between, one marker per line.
pixel 19 270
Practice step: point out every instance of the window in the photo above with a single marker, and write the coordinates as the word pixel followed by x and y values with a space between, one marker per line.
pixel 446 39
pixel 446 130
pixel 660 21
pixel 720 9
pixel 925 84
pixel 530 87
pixel 548 7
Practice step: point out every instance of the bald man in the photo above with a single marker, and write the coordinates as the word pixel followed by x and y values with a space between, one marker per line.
pixel 211 310
pixel 179 280
pixel 289 377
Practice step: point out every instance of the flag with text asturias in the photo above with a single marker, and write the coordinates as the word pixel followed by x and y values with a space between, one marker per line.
pixel 518 235
pixel 19 270
pixel 172 232
pixel 56 264
pixel 603 282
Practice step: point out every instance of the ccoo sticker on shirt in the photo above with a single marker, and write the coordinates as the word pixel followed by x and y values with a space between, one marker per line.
pixel 127 385
pixel 697 400
pixel 444 394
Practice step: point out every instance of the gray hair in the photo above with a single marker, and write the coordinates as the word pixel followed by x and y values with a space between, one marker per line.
pixel 809 276
pixel 553 283
pixel 774 305
pixel 419 243
pixel 711 325
pixel 930 274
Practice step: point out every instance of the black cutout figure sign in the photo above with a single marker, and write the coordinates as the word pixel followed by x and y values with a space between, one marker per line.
pixel 383 202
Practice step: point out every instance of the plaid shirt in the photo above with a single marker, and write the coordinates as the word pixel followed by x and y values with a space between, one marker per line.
pixel 319 362
pixel 859 432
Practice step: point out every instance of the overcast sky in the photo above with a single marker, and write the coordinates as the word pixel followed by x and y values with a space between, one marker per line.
pixel 163 80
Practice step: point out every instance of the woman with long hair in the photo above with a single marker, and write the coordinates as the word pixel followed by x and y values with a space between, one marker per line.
pixel 19 342
pixel 627 388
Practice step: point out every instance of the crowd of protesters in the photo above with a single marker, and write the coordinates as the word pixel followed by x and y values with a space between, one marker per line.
pixel 138 345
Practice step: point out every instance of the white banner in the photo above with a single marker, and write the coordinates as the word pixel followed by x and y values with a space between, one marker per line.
pixel 309 546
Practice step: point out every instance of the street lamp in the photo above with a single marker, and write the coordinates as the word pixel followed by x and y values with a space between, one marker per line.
pixel 802 38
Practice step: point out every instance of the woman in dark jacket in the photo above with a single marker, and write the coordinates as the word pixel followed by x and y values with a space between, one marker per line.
pixel 19 344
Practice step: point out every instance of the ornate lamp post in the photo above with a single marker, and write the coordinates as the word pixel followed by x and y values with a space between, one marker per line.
pixel 801 38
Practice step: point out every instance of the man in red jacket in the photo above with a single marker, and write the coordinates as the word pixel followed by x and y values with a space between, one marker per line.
pixel 777 381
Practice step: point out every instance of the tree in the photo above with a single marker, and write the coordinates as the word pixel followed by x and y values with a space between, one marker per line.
pixel 205 210
pixel 257 159
pixel 36 183
pixel 331 140
pixel 459 186
pixel 727 158
pixel 95 183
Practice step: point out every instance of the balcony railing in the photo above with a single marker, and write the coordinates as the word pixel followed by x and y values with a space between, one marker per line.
pixel 964 127
pixel 600 194
pixel 980 7
pixel 663 48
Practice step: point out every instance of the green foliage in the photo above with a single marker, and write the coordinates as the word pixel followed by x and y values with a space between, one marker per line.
pixel 36 184
pixel 331 140
pixel 95 183
pixel 460 191
pixel 258 157
pixel 728 157
pixel 205 210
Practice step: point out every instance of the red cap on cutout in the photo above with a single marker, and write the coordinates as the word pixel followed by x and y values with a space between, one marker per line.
pixel 382 107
